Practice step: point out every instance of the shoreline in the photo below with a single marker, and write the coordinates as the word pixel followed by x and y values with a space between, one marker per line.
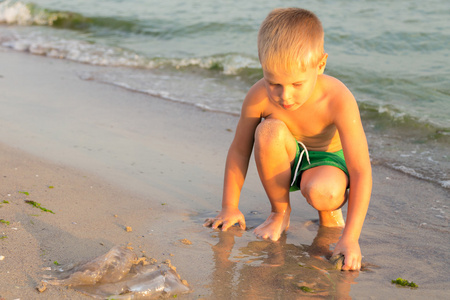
pixel 158 165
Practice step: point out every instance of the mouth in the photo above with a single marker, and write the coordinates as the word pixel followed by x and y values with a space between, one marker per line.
pixel 287 106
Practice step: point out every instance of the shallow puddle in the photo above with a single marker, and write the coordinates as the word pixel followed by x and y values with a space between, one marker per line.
pixel 264 269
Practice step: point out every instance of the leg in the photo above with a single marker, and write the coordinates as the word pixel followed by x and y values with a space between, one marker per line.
pixel 275 149
pixel 324 187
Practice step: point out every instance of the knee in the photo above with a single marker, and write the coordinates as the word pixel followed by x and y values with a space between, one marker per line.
pixel 324 198
pixel 270 131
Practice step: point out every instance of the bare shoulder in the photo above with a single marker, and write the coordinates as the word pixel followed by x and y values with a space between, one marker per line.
pixel 339 96
pixel 335 88
pixel 257 93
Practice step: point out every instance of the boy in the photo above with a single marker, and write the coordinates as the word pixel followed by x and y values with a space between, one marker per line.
pixel 301 124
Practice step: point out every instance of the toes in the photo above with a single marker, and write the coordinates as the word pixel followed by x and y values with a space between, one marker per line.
pixel 274 238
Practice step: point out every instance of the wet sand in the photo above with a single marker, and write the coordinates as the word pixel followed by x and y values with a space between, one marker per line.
pixel 103 158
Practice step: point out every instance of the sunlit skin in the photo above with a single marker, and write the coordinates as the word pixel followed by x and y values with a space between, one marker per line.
pixel 318 110
pixel 288 89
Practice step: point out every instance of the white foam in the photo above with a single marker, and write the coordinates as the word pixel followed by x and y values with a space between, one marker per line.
pixel 412 172
pixel 445 184
pixel 75 50
pixel 409 171
pixel 19 13
pixel 95 54
pixel 15 13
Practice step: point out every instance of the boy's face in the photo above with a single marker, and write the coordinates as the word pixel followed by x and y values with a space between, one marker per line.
pixel 290 89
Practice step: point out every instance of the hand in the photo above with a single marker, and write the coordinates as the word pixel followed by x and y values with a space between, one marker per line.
pixel 226 218
pixel 351 252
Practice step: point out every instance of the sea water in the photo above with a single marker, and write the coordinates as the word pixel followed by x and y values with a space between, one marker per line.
pixel 393 55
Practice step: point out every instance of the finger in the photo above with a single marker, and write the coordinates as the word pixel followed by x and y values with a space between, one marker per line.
pixel 208 222
pixel 347 264
pixel 226 225
pixel 346 268
pixel 351 265
pixel 357 264
pixel 242 224
pixel 216 224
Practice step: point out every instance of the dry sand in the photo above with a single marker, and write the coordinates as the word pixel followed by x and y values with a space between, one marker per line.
pixel 103 158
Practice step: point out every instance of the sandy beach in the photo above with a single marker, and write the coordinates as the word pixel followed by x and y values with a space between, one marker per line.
pixel 103 158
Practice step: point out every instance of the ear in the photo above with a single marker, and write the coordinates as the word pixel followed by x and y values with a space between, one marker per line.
pixel 322 64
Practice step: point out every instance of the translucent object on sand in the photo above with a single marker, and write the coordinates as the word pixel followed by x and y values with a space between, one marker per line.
pixel 119 274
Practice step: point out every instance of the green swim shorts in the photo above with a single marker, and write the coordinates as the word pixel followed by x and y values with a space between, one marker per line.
pixel 305 160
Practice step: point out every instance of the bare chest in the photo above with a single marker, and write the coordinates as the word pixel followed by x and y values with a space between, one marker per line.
pixel 314 128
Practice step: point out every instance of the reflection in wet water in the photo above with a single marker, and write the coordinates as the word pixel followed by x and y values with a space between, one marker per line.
pixel 119 274
pixel 270 270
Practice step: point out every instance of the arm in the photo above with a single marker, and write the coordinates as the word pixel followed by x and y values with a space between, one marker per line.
pixel 354 144
pixel 237 165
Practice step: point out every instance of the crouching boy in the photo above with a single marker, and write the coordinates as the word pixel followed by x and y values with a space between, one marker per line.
pixel 306 132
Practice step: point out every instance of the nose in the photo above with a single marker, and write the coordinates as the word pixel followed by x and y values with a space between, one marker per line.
pixel 285 93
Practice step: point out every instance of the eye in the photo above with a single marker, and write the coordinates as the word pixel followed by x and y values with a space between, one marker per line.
pixel 297 84
pixel 273 84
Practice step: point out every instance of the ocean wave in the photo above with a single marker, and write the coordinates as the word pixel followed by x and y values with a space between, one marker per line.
pixel 97 54
pixel 29 14
pixel 399 123
pixel 74 50
pixel 21 13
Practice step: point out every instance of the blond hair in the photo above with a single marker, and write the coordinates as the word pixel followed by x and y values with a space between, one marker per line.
pixel 290 37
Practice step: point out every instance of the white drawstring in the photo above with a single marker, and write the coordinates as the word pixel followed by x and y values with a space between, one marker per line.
pixel 300 160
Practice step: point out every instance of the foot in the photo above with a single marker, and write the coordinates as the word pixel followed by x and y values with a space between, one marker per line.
pixel 331 218
pixel 274 226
